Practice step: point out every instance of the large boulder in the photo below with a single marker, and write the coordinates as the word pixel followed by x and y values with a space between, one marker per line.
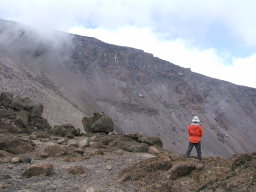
pixel 66 130
pixel 21 115
pixel 99 122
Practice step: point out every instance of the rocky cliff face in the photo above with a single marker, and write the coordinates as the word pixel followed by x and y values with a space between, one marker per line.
pixel 74 76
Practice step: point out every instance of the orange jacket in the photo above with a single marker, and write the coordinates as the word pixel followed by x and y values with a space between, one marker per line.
pixel 195 133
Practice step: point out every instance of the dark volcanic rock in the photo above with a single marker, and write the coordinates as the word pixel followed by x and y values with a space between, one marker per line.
pixel 99 122
pixel 19 115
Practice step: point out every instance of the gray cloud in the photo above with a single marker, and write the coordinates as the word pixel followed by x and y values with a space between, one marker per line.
pixel 213 23
pixel 208 35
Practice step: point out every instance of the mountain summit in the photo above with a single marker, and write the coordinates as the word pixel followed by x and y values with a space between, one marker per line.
pixel 73 76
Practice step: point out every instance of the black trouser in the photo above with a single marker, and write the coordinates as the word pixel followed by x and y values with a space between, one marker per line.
pixel 198 149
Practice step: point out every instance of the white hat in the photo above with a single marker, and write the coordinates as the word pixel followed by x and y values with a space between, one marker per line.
pixel 196 119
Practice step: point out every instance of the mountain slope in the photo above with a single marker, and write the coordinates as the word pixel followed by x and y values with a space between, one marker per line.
pixel 36 157
pixel 75 76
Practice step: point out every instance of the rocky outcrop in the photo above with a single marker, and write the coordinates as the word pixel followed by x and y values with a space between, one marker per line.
pixel 99 122
pixel 21 115
pixel 128 142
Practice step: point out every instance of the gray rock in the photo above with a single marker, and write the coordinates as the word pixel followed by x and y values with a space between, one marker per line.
pixel 153 150
pixel 15 160
pixel 62 141
pixel 25 159
pixel 84 143
pixel 90 189
pixel 72 143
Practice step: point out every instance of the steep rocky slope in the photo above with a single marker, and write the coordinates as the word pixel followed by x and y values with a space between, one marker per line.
pixel 37 160
pixel 75 76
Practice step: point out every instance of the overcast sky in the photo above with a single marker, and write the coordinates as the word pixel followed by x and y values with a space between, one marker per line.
pixel 216 38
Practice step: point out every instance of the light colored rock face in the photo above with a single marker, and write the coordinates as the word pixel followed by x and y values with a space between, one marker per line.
pixel 84 143
pixel 153 150
pixel 15 160
pixel 75 76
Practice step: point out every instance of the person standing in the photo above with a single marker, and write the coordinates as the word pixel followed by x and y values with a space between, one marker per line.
pixel 195 132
